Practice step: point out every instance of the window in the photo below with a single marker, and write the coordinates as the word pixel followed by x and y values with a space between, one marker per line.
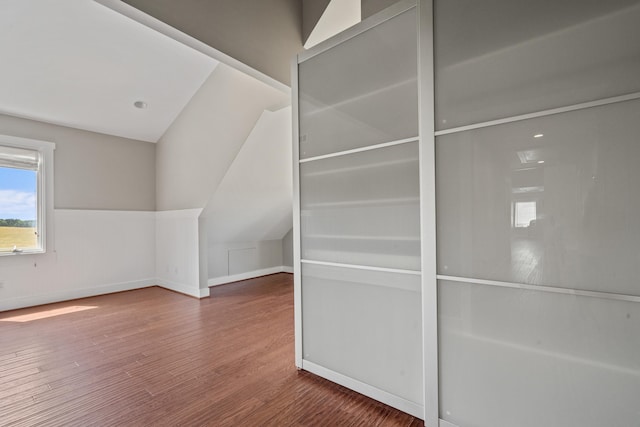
pixel 525 213
pixel 26 194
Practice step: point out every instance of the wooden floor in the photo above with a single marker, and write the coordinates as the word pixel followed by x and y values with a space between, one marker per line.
pixel 153 357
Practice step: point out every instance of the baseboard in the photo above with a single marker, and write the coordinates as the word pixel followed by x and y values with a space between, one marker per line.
pixel 49 298
pixel 287 269
pixel 180 288
pixel 249 275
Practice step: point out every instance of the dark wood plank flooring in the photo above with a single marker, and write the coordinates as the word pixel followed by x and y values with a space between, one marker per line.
pixel 152 357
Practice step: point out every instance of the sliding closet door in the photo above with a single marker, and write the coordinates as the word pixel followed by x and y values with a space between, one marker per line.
pixel 538 153
pixel 359 210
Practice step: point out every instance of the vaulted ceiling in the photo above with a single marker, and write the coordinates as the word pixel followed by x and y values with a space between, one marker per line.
pixel 263 34
pixel 86 63
pixel 79 64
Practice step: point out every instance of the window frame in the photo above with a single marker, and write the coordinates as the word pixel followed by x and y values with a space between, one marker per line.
pixel 44 191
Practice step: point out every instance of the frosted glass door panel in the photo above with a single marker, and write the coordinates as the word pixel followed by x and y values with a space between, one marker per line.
pixel 511 357
pixel 559 209
pixel 531 56
pixel 362 208
pixel 365 325
pixel 361 92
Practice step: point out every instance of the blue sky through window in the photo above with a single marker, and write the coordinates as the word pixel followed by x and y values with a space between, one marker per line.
pixel 18 194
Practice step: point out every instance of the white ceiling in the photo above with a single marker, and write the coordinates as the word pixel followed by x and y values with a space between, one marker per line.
pixel 77 63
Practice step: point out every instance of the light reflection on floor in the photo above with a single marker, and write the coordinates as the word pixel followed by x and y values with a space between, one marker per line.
pixel 526 260
pixel 47 313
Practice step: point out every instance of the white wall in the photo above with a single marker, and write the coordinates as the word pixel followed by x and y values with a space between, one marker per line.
pixel 104 224
pixel 98 252
pixel 196 151
pixel 250 211
pixel 253 200
pixel 231 155
pixel 287 249
pixel 232 261
pixel 95 252
pixel 177 252
pixel 93 170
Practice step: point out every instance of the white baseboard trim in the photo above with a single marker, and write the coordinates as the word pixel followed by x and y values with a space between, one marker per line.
pixel 222 280
pixel 366 389
pixel 181 288
pixel 71 294
pixel 444 423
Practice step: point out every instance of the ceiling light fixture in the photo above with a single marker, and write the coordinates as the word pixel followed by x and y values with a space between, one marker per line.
pixel 538 135
pixel 540 161
pixel 140 104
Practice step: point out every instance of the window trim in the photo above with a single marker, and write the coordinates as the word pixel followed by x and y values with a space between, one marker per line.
pixel 44 190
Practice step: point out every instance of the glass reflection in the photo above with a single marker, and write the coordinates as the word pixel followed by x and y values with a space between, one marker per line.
pixel 506 353
pixel 558 210
pixel 527 191
pixel 366 325
pixel 362 92
pixel 362 208
pixel 492 65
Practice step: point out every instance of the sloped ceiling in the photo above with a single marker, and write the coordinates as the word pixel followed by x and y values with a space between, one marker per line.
pixel 312 10
pixel 197 150
pixel 77 63
pixel 253 201
pixel 337 17
pixel 263 34
pixel 371 7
